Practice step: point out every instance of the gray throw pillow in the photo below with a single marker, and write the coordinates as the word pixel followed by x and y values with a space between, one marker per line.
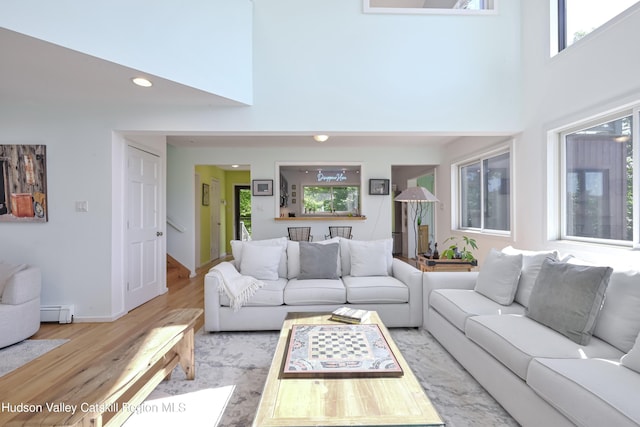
pixel 498 277
pixel 568 298
pixel 318 261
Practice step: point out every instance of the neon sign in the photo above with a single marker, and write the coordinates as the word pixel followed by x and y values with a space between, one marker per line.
pixel 336 177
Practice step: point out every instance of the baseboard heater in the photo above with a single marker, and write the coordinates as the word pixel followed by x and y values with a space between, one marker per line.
pixel 56 313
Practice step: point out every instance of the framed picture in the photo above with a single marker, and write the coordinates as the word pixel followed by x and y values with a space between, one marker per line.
pixel 23 183
pixel 205 194
pixel 379 187
pixel 262 187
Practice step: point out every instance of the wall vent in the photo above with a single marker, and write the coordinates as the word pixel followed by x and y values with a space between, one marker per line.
pixel 56 313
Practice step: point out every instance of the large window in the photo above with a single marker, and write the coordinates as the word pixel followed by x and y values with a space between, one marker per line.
pixel 598 181
pixel 331 199
pixel 485 193
pixel 577 18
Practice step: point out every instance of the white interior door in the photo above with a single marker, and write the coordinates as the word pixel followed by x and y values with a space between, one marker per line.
pixel 144 235
pixel 215 219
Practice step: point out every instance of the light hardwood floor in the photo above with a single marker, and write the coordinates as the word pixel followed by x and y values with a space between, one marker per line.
pixel 183 293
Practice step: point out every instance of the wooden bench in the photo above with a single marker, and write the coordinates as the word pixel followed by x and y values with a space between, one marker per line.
pixel 106 389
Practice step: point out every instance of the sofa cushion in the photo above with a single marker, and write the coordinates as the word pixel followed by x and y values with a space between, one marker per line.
pixel 375 290
pixel 593 392
pixel 531 264
pixel 515 340
pixel 315 291
pixel 238 245
pixel 456 305
pixel 293 257
pixel 318 261
pixel 498 277
pixel 345 253
pixel 567 298
pixel 619 320
pixel 632 359
pixel 6 272
pixel 272 293
pixel 260 262
pixel 368 258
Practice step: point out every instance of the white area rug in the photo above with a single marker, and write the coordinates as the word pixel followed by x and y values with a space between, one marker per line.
pixel 231 369
pixel 21 353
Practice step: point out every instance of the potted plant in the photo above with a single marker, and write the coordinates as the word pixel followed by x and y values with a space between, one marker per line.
pixel 454 251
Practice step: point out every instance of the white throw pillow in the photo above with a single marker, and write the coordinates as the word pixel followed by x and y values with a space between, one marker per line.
pixel 531 264
pixel 6 272
pixel 368 258
pixel 238 245
pixel 632 359
pixel 260 261
pixel 345 253
pixel 619 319
pixel 498 277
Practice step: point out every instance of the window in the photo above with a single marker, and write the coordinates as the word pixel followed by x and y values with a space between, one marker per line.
pixel 331 199
pixel 577 18
pixel 429 6
pixel 485 193
pixel 598 182
pixel 320 189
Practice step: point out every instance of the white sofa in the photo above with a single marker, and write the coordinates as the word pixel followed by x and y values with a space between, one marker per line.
pixel 376 281
pixel 19 302
pixel 538 374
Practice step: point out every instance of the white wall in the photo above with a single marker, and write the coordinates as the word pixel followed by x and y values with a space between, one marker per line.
pixel 203 44
pixel 325 65
pixel 595 75
pixel 317 65
pixel 376 163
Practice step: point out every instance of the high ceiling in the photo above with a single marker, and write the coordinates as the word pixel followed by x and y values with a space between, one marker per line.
pixel 34 71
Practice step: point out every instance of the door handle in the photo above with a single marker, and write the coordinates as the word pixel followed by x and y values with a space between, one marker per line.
pixel 158 233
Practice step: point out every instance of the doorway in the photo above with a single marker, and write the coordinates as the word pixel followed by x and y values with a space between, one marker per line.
pixel 242 212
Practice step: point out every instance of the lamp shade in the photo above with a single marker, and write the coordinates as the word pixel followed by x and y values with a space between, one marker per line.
pixel 416 194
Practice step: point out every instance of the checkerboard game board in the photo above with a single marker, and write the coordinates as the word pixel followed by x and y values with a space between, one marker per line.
pixel 339 350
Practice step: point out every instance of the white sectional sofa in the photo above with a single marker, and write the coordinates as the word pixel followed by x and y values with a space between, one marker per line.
pixel 19 302
pixel 549 354
pixel 316 277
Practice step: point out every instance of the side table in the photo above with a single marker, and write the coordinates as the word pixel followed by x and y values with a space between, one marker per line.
pixel 426 264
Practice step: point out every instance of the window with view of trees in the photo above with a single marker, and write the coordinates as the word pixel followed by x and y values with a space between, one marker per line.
pixel 577 18
pixel 485 193
pixel 318 199
pixel 598 184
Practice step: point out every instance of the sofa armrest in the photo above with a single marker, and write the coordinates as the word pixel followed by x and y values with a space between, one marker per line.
pixel 450 280
pixel 412 277
pixel 211 303
pixel 23 286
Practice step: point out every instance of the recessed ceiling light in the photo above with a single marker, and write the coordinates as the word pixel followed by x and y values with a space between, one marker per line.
pixel 141 81
pixel 320 138
pixel 235 166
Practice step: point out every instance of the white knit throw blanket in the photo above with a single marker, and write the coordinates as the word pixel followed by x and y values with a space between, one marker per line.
pixel 237 287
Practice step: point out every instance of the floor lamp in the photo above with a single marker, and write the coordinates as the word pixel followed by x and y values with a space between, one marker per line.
pixel 413 196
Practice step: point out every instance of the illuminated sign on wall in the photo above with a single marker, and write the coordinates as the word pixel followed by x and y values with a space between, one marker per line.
pixel 331 176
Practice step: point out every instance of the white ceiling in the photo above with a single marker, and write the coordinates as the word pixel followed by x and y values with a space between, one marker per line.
pixel 34 71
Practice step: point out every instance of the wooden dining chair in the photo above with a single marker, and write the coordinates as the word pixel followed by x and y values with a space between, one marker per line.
pixel 300 234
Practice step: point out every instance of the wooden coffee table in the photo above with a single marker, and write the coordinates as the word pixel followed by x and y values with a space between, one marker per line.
pixel 382 401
